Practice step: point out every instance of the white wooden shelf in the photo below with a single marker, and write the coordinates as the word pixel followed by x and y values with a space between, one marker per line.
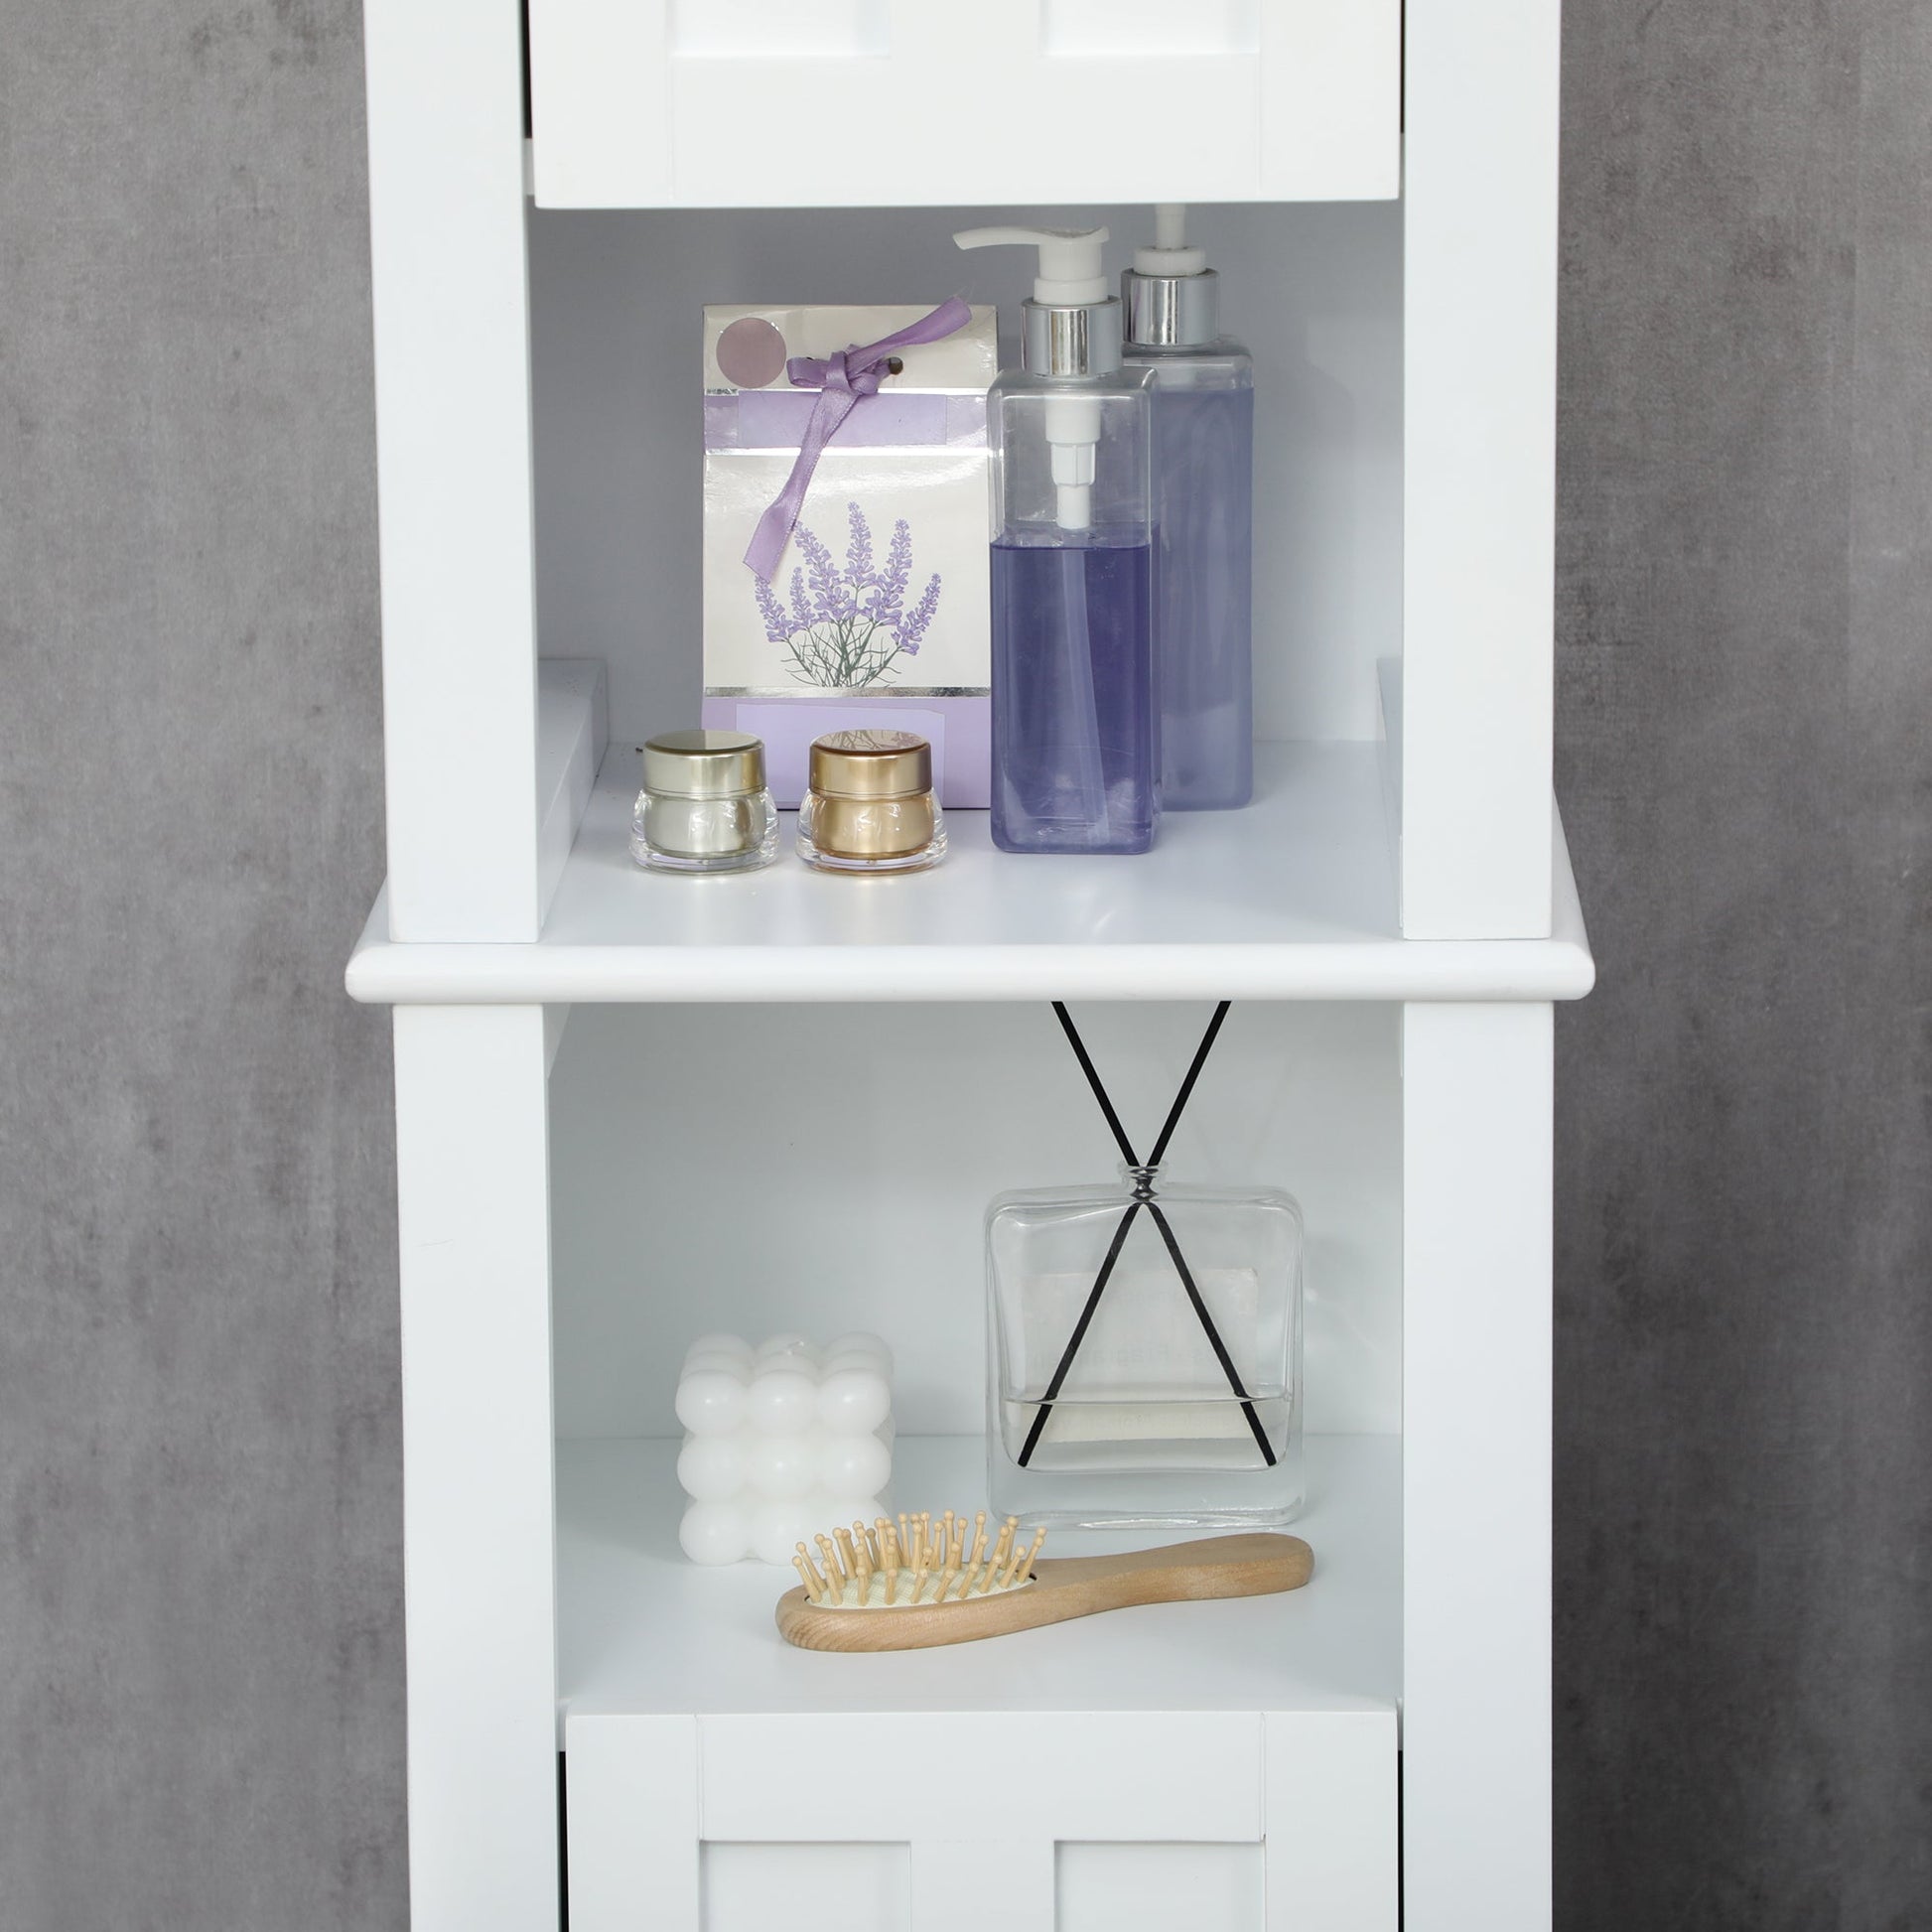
pixel 1292 898
pixel 644 1632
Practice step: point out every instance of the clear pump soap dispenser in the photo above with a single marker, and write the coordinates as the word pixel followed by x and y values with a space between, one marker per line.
pixel 1075 746
pixel 1203 513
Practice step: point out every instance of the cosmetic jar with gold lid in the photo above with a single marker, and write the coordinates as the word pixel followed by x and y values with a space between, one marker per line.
pixel 869 804
pixel 705 806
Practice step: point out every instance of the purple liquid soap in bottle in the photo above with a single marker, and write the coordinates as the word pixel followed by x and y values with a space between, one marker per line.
pixel 1203 513
pixel 1075 726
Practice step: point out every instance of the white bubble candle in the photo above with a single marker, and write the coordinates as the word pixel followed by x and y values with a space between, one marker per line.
pixel 781 1440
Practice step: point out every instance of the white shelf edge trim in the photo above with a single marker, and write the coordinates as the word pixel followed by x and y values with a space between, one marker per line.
pixel 1560 967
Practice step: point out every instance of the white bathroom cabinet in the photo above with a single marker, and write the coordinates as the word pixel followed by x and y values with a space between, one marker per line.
pixel 716 1139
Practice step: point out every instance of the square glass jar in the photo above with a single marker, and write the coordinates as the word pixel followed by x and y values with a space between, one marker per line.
pixel 1145 1355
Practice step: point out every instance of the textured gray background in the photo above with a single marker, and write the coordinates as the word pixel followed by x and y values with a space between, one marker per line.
pixel 200 1657
pixel 1744 1224
pixel 200 1583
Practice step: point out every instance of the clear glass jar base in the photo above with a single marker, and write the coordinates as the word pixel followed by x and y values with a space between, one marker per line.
pixel 735 833
pixel 921 860
pixel 1104 1520
pixel 1044 1496
pixel 755 860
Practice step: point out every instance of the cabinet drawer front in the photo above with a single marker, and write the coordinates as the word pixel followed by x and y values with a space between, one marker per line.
pixel 719 104
pixel 968 1776
pixel 1278 1820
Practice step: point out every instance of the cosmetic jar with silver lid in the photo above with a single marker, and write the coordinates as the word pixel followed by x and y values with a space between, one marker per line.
pixel 869 805
pixel 705 806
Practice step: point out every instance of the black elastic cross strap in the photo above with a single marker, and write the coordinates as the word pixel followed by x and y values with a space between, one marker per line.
pixel 1080 1334
pixel 1143 1197
pixel 1186 1092
pixel 1213 1333
pixel 1081 1054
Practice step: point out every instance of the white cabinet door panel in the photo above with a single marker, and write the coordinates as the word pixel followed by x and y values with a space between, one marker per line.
pixel 867 103
pixel 808 1887
pixel 950 1822
pixel 1158 1888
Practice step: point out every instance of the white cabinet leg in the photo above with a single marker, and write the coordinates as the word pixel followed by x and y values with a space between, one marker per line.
pixel 1477 1155
pixel 472 1163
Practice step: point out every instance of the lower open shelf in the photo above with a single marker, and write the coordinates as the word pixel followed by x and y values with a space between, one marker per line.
pixel 642 1631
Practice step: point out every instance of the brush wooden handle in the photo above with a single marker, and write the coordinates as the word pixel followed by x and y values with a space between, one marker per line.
pixel 1253 1564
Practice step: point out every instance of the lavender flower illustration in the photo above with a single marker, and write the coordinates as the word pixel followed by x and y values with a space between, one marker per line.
pixel 846 628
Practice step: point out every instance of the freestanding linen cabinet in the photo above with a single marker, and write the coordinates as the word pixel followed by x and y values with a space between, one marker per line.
pixel 783 1099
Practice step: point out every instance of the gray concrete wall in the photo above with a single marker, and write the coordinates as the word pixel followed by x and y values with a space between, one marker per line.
pixel 199 1585
pixel 201 1659
pixel 1744 1228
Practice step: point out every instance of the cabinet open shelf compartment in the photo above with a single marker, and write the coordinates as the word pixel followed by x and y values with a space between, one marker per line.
pixel 858 1173
pixel 1293 898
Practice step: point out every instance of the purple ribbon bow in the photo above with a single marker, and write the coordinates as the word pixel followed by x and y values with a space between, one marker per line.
pixel 842 379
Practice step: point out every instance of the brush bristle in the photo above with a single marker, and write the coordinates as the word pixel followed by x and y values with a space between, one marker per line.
pixel 916 1561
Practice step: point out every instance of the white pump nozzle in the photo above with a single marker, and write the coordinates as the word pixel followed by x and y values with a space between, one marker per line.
pixel 1070 272
pixel 1170 254
pixel 1070 277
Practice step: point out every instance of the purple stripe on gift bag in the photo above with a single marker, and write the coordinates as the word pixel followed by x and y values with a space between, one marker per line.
pixel 775 419
pixel 959 730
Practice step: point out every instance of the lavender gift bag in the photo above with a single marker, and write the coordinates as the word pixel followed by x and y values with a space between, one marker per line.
pixel 845 531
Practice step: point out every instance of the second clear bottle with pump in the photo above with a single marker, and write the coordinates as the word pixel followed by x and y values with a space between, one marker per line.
pixel 1203 513
pixel 1075 719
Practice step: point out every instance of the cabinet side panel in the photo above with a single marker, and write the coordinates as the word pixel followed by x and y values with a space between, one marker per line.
pixel 1479 233
pixel 1477 1155
pixel 453 465
pixel 478 1532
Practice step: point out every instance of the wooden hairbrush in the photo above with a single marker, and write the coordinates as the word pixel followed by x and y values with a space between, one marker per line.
pixel 909 1584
